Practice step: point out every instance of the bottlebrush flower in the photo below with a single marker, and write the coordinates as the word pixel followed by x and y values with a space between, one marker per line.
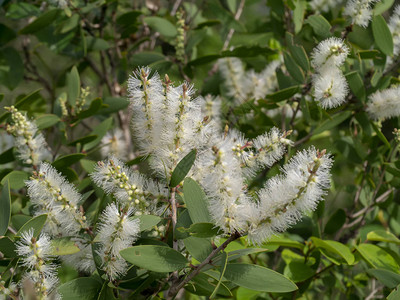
pixel 30 143
pixel 394 26
pixel 330 52
pixel 360 11
pixel 116 232
pixel 284 198
pixel 264 83
pixel 35 254
pixel 128 186
pixel 330 88
pixel 324 5
pixel 114 143
pixel 52 194
pixel 232 71
pixel 384 104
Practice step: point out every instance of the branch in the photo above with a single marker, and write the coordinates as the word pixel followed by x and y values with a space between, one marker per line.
pixel 175 289
pixel 232 31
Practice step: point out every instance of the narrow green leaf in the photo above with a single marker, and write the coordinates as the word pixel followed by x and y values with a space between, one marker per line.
pixel 284 242
pixel 36 223
pixel 258 278
pixel 41 22
pixel 83 288
pixel 114 104
pixel 196 201
pixel 147 222
pixel 100 130
pixel 298 15
pixel 64 246
pixel 382 35
pixel 182 168
pixel 284 94
pixel 380 135
pixel 224 263
pixel 335 222
pixel 94 107
pixel 161 25
pixel 154 258
pixel 382 236
pixel 16 179
pixel 73 85
pixel 47 120
pixel 293 69
pixel 5 208
pixel 336 248
pixel 67 160
pixel 377 257
pixel 83 140
pixel 395 294
pixel 7 247
pixel 331 123
pixel 198 248
pixel 202 230
pixel 382 6
pixel 320 25
pixel 368 54
pixel 388 278
pixel 356 85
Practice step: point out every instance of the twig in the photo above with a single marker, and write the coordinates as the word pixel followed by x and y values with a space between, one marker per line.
pixel 175 7
pixel 175 289
pixel 232 31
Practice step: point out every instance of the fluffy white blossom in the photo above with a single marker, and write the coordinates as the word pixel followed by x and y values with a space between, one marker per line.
pixel 116 232
pixel 394 26
pixel 328 53
pixel 360 11
pixel 30 143
pixel 128 186
pixel 330 88
pixel 263 83
pixel 232 71
pixel 114 143
pixel 211 108
pixel 284 198
pixel 35 254
pixel 7 292
pixel 384 104
pixel 52 194
pixel 83 260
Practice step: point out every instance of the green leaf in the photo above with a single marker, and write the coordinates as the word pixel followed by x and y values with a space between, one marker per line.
pixel 28 99
pixel 382 236
pixel 199 248
pixel 335 222
pixel 300 56
pixel 258 278
pixel 161 25
pixel 83 140
pixel 64 246
pixel 114 104
pixel 182 168
pixel 16 179
pixel 204 285
pixel 100 130
pixel 7 247
pixel 224 263
pixel 368 54
pixel 333 122
pixel 284 242
pixel 106 292
pixel 202 230
pixel 154 258
pixel 335 248
pixel 293 69
pixel 284 94
pixel 395 294
pixel 36 223
pixel 67 160
pixel 380 135
pixel 196 201
pixel 94 107
pixel 73 85
pixel 83 288
pixel 7 156
pixel 96 44
pixel 356 85
pixel 298 14
pixel 20 10
pixel 47 120
pixel 382 35
pixel 41 22
pixel 6 34
pixel 320 25
pixel 298 271
pixel 382 6
pixel 388 278
pixel 147 222
pixel 377 257
pixel 12 69
pixel 5 208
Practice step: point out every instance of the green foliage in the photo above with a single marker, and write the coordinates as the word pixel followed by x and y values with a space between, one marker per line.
pixel 50 54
